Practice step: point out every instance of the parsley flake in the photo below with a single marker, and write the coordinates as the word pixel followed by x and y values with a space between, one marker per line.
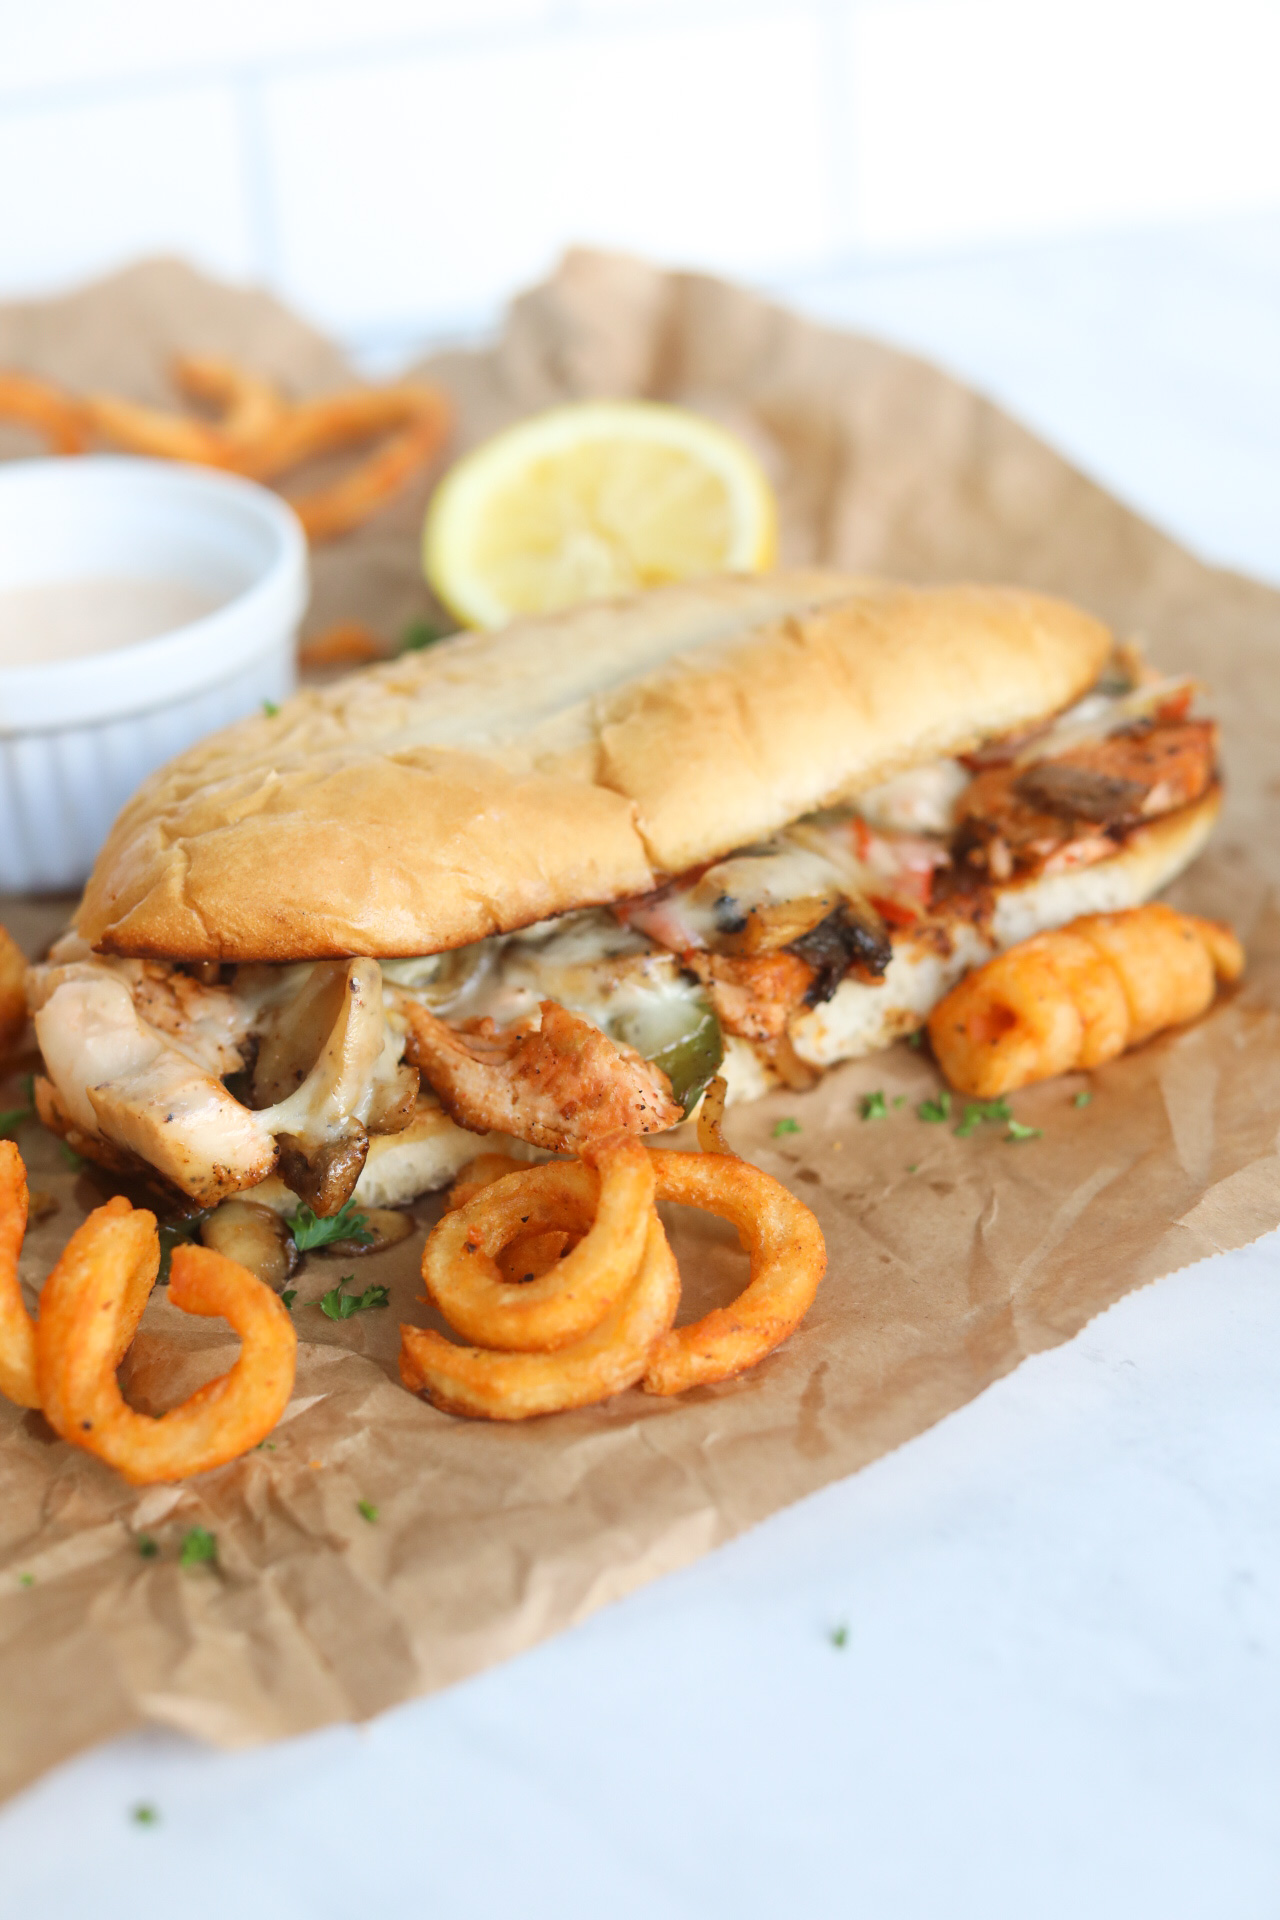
pixel 785 1125
pixel 936 1111
pixel 147 1547
pixel 916 1040
pixel 978 1111
pixel 270 708
pixel 73 1160
pixel 840 1635
pixel 340 1306
pixel 420 634
pixel 914 1167
pixel 367 1510
pixel 26 1579
pixel 1083 1098
pixel 310 1231
pixel 899 1099
pixel 872 1106
pixel 145 1815
pixel 199 1547
pixel 12 1118
pixel 1018 1132
pixel 288 1297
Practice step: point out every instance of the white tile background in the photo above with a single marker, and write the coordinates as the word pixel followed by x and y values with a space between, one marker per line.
pixel 396 167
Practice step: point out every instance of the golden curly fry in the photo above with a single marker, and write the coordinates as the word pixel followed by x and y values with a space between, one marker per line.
pixel 17 1329
pixel 475 1294
pixel 519 1386
pixel 257 432
pixel 13 997
pixel 157 433
pixel 1078 997
pixel 54 415
pixel 348 643
pixel 564 1304
pixel 89 1311
pixel 248 406
pixel 788 1260
pixel 479 1173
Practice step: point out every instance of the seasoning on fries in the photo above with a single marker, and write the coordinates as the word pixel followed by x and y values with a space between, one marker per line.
pixel 90 1307
pixel 600 1316
pixel 1079 996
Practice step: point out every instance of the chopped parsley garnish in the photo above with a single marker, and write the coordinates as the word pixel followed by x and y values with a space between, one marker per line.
pixel 148 1548
pixel 1018 1132
pixel 367 1510
pixel 1083 1098
pixel 73 1160
pixel 785 1125
pixel 288 1297
pixel 13 1117
pixel 916 1040
pixel 914 1167
pixel 420 634
pixel 899 1099
pixel 936 1111
pixel 26 1579
pixel 145 1815
pixel 840 1636
pixel 340 1306
pixel 310 1231
pixel 199 1548
pixel 872 1106
pixel 270 708
pixel 978 1111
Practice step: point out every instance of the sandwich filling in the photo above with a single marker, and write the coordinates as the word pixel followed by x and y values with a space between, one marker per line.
pixel 822 942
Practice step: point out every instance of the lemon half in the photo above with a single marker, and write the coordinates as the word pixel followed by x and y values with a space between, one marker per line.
pixel 593 500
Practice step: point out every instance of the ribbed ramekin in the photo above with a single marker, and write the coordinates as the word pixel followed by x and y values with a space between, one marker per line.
pixel 78 736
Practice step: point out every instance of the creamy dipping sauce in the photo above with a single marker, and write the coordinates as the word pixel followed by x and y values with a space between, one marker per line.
pixel 67 619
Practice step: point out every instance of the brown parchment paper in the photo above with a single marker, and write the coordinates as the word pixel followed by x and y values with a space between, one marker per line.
pixel 950 1259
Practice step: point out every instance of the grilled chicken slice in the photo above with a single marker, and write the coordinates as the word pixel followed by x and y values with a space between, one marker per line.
pixel 1067 809
pixel 560 1086
pixel 119 1078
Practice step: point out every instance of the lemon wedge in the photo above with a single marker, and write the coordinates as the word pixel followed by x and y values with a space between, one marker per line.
pixel 593 500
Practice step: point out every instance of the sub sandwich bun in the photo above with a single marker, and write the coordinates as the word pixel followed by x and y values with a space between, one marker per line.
pixel 544 882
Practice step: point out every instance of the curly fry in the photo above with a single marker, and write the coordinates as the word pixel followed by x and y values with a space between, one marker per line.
pixel 89 1312
pixel 480 1173
pixel 157 433
pixel 349 502
pixel 332 421
pixel 17 1329
pixel 13 996
pixel 566 1303
pixel 788 1260
pixel 1078 997
pixel 248 407
pixel 519 1386
pixel 37 404
pixel 347 644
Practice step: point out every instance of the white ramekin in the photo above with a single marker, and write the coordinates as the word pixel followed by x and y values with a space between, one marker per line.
pixel 78 736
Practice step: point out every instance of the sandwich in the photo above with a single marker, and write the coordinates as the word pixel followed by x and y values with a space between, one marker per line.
pixel 544 883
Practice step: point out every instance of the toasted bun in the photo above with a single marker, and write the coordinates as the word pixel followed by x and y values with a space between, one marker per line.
pixel 564 762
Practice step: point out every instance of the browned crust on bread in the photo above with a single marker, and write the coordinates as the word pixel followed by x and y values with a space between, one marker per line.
pixel 502 778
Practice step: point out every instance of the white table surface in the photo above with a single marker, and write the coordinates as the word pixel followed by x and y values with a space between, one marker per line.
pixel 1060 1689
